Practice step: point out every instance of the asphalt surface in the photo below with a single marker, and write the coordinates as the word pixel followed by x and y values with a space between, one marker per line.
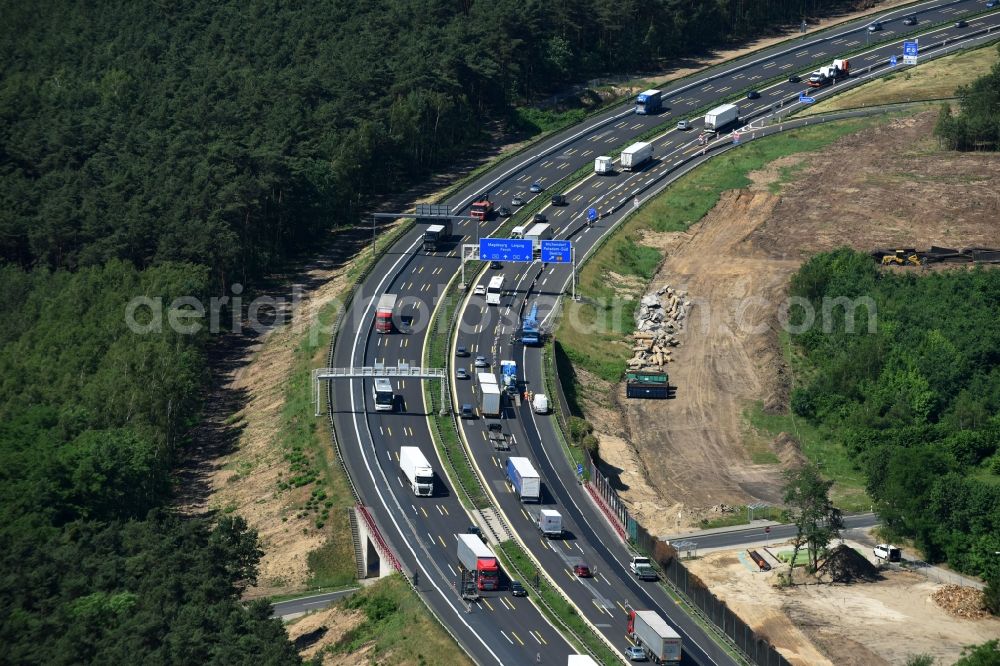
pixel 499 628
pixel 309 603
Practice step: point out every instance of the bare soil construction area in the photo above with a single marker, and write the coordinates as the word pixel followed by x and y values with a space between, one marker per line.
pixel 886 186
pixel 857 624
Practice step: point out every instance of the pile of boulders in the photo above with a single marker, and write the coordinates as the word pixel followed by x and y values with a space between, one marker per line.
pixel 658 320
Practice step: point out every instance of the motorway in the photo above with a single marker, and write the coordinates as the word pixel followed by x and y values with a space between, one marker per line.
pixel 499 628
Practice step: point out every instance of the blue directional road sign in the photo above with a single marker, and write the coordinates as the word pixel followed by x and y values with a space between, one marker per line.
pixel 591 214
pixel 579 469
pixel 560 252
pixel 910 53
pixel 805 99
pixel 504 249
pixel 892 61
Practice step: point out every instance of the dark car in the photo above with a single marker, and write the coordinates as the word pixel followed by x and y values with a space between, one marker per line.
pixel 753 94
pixel 536 187
pixel 518 200
pixel 961 24
pixel 912 20
pixel 517 590
pixel 461 351
pixel 875 27
pixel 467 411
pixel 558 200
pixel 503 211
pixel 992 3
pixel 794 78
pixel 540 219
pixel 495 265
pixel 474 529
pixel 582 569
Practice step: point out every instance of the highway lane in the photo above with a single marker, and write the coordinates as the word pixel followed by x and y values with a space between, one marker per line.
pixel 374 482
pixel 492 341
pixel 755 534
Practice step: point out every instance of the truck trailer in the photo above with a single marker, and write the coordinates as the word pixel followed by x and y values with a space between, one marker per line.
pixel 384 310
pixel 636 155
pixel 580 660
pixel 840 69
pixel 436 235
pixel 721 116
pixel 603 165
pixel 476 557
pixel 531 334
pixel 417 470
pixel 661 643
pixel 536 234
pixel 648 102
pixel 508 376
pixel 550 523
pixel 489 392
pixel 524 479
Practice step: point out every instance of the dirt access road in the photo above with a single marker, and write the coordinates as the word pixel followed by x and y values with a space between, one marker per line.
pixel 888 185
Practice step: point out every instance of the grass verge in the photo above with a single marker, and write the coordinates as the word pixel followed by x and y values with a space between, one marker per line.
pixel 933 80
pixel 397 625
pixel 556 607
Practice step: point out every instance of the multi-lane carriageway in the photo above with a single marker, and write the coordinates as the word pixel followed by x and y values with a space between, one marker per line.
pixel 501 629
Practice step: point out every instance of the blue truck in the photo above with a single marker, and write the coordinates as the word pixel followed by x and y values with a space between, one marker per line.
pixel 524 479
pixel 530 330
pixel 649 102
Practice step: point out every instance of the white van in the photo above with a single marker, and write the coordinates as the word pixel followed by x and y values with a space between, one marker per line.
pixel 540 403
pixel 518 232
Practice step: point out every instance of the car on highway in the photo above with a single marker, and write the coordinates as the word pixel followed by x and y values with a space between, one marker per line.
pixel 558 200
pixel 481 362
pixel 536 187
pixel 540 219
pixel 753 94
pixel 875 27
pixel 635 653
pixel 467 412
pixel 794 78
pixel 517 590
pixel 480 290
pixel 518 200
pixel 461 351
pixel 495 265
pixel 582 569
pixel 683 125
pixel 461 373
pixel 503 211
pixel 961 24
pixel 910 20
pixel 992 3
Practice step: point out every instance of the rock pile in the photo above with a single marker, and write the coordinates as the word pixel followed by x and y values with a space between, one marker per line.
pixel 843 564
pixel 965 602
pixel 659 318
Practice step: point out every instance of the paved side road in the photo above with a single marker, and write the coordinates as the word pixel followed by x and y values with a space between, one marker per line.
pixel 293 608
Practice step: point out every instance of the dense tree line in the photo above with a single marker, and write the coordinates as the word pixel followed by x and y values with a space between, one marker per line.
pixel 916 400
pixel 230 134
pixel 977 126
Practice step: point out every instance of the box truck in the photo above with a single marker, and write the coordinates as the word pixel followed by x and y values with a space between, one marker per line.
pixel 476 557
pixel 524 479
pixel 436 235
pixel 655 636
pixel 489 393
pixel 603 165
pixel 580 660
pixel 417 470
pixel 508 375
pixel 550 523
pixel 649 102
pixel 636 155
pixel 721 116
pixel 383 313
pixel 536 234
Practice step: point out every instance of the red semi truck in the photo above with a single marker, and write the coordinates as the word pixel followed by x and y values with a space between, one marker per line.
pixel 482 207
pixel 383 313
pixel 475 556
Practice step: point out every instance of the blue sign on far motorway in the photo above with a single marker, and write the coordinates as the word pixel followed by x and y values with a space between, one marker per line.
pixel 505 249
pixel 559 252
pixel 892 61
pixel 805 99
pixel 591 214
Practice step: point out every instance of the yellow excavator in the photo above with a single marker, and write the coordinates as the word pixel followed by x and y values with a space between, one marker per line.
pixel 901 257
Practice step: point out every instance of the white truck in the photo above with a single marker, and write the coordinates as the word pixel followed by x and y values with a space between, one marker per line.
pixel 580 660
pixel 655 636
pixel 489 392
pixel 721 116
pixel 636 155
pixel 603 165
pixel 536 234
pixel 642 568
pixel 417 470
pixel 550 523
pixel 524 479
